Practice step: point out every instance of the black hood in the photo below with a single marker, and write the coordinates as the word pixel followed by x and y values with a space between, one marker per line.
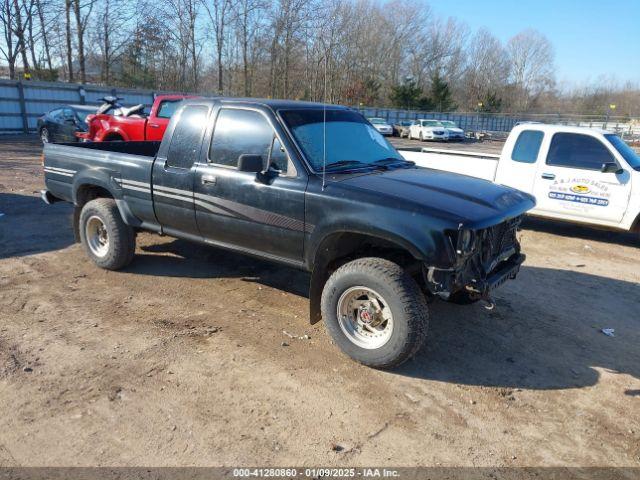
pixel 469 201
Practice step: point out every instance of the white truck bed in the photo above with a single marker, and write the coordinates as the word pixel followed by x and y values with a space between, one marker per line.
pixel 475 164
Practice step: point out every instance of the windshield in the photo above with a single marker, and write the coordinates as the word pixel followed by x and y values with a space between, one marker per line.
pixel 350 140
pixel 628 153
pixel 449 124
pixel 377 121
pixel 431 123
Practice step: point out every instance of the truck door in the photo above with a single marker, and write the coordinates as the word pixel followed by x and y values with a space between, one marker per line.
pixel 173 174
pixel 518 170
pixel 159 119
pixel 256 213
pixel 570 182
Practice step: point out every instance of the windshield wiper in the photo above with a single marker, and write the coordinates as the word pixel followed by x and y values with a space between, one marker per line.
pixel 389 161
pixel 353 163
pixel 345 163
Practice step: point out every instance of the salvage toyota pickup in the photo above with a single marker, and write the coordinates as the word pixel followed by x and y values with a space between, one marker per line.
pixel 311 186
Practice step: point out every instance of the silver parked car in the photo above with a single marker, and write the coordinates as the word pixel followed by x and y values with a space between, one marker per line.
pixel 381 125
pixel 455 132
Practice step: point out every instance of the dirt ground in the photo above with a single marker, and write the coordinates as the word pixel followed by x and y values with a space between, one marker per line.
pixel 179 359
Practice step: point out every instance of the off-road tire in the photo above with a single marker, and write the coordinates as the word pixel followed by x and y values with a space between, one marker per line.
pixel 122 240
pixel 404 298
pixel 462 297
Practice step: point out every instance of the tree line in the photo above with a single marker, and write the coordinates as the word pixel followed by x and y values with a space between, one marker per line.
pixel 355 52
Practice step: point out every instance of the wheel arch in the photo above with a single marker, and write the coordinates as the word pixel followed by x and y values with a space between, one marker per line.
pixel 89 189
pixel 113 135
pixel 338 248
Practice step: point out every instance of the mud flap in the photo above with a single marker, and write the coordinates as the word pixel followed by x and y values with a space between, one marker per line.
pixel 76 223
pixel 318 279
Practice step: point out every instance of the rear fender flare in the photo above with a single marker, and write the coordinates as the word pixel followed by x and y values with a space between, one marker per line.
pixel 105 180
pixel 112 131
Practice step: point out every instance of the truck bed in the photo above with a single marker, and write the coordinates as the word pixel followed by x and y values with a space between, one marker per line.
pixel 145 149
pixel 104 164
pixel 479 165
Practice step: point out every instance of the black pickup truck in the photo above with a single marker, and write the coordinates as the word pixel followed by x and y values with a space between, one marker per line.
pixel 307 185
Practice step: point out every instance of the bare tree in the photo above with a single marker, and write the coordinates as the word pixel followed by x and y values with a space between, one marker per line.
pixel 9 50
pixel 219 12
pixel 531 60
pixel 39 4
pixel 82 12
pixel 487 69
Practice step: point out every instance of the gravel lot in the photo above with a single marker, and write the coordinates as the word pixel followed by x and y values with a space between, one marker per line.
pixel 179 359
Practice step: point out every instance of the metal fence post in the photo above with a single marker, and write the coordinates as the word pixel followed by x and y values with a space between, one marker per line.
pixel 82 94
pixel 23 108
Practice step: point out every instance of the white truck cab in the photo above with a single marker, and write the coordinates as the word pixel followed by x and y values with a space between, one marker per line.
pixel 577 174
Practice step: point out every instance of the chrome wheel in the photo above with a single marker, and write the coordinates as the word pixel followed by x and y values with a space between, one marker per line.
pixel 44 135
pixel 365 317
pixel 97 236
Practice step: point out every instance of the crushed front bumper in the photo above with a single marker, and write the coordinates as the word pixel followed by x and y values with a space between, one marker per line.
pixel 495 259
pixel 503 272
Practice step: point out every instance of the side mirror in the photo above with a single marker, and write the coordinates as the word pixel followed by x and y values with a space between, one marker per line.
pixel 250 163
pixel 610 167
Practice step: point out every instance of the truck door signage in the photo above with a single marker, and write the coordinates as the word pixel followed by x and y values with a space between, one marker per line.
pixel 585 191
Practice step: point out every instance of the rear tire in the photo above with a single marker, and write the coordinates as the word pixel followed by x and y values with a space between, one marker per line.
pixel 375 312
pixel 108 241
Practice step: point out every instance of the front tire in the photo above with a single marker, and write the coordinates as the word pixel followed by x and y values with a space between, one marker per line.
pixel 108 241
pixel 375 312
pixel 44 135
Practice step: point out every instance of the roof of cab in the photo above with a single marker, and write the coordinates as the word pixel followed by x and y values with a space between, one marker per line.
pixel 553 128
pixel 273 104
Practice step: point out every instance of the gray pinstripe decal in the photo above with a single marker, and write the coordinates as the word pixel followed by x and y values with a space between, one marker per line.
pixel 221 206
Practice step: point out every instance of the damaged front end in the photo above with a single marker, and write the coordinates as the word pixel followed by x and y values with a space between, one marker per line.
pixel 483 260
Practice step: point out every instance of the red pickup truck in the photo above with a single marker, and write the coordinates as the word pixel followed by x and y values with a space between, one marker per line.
pixel 130 124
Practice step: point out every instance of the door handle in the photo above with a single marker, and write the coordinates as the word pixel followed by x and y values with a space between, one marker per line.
pixel 208 180
pixel 548 176
pixel 154 125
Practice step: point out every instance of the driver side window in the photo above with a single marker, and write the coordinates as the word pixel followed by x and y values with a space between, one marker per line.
pixel 575 150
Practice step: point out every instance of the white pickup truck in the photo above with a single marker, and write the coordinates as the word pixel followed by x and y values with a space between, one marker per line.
pixel 576 174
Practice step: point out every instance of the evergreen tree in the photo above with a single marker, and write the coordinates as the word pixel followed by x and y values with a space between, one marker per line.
pixel 406 95
pixel 441 96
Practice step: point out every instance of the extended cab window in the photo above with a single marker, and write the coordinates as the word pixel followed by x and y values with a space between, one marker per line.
pixel 167 108
pixel 187 137
pixel 239 132
pixel 578 151
pixel 527 146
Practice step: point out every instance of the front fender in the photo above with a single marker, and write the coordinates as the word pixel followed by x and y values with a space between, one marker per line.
pixel 426 245
pixel 423 246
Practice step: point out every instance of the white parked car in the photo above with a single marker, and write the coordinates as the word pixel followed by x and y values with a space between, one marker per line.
pixel 577 174
pixel 428 130
pixel 455 132
pixel 381 125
